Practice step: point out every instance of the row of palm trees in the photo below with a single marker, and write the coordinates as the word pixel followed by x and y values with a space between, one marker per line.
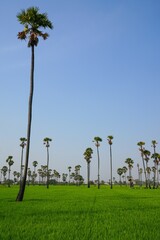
pixel 6 169
pixel 88 155
pixel 145 156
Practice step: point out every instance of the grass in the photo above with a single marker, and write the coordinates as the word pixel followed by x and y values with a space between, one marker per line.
pixel 78 213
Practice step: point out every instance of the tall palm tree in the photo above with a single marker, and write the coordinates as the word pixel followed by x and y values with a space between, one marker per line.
pixel 110 138
pixel 10 162
pixel 130 162
pixel 22 145
pixel 154 156
pixel 32 21
pixel 87 156
pixel 46 142
pixel 97 141
pixel 141 149
pixel 69 176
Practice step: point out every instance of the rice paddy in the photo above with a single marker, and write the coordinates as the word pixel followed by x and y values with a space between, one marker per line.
pixel 78 213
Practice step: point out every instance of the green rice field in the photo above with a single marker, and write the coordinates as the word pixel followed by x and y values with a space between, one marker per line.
pixel 79 213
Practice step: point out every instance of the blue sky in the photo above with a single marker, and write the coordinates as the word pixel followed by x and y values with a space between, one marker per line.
pixel 97 75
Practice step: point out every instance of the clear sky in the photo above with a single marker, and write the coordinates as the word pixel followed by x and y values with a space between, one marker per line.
pixel 98 74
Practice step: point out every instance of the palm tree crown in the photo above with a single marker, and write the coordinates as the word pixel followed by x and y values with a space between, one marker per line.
pixel 88 155
pixel 33 21
pixel 110 138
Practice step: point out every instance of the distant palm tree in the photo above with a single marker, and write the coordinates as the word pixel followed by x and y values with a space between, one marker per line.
pixel 110 138
pixel 64 177
pixel 77 173
pixel 35 163
pixel 141 149
pixel 46 141
pixel 22 145
pixel 4 172
pixel 97 141
pixel 33 21
pixel 15 176
pixel 69 176
pixel 87 156
pixel 124 171
pixel 146 154
pixel 72 176
pixel 29 173
pixel 130 162
pixel 138 173
pixel 154 155
pixel 120 172
pixel 10 162
pixel 40 174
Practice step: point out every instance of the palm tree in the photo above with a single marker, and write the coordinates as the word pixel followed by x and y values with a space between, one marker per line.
pixel 4 172
pixel 64 177
pixel 29 173
pixel 15 175
pixel 130 162
pixel 10 162
pixel 22 145
pixel 97 144
pixel 124 171
pixel 34 174
pixel 110 138
pixel 35 163
pixel 46 142
pixel 87 156
pixel 141 149
pixel 72 176
pixel 120 172
pixel 155 156
pixel 33 21
pixel 146 154
pixel 138 173
pixel 77 173
pixel 69 169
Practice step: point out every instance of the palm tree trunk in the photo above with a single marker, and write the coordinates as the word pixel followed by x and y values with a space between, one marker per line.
pixel 157 176
pixel 21 165
pixel 88 166
pixel 9 176
pixel 154 177
pixel 22 186
pixel 111 164
pixel 98 167
pixel 47 167
pixel 69 177
pixel 144 168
